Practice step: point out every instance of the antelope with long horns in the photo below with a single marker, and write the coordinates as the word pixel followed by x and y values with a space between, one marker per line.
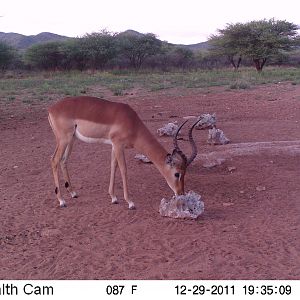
pixel 95 120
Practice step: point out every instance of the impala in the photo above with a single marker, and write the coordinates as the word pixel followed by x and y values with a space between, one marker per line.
pixel 95 120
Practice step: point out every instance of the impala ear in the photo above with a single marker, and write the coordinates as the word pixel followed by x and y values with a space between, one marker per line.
pixel 174 158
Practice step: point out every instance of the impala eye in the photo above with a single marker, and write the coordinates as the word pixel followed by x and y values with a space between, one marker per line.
pixel 177 175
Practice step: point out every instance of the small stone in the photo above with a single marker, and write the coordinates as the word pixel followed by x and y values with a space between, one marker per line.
pixel 213 163
pixel 231 169
pixel 50 232
pixel 143 158
pixel 260 188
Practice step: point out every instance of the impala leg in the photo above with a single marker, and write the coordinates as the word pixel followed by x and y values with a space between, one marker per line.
pixel 114 164
pixel 55 160
pixel 119 153
pixel 64 169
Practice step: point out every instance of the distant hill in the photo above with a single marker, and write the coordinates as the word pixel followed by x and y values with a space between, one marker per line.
pixel 194 47
pixel 130 32
pixel 22 42
pixel 197 47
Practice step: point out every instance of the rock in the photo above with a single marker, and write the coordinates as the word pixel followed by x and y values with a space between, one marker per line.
pixel 188 206
pixel 169 129
pixel 143 158
pixel 50 232
pixel 231 169
pixel 217 137
pixel 260 188
pixel 212 163
pixel 206 121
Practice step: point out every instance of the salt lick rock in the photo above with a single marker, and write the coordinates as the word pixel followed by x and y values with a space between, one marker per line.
pixel 206 121
pixel 188 206
pixel 169 129
pixel 217 137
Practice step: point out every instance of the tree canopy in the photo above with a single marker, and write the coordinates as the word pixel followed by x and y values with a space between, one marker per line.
pixel 254 42
pixel 98 48
pixel 7 54
pixel 138 47
pixel 257 40
pixel 45 56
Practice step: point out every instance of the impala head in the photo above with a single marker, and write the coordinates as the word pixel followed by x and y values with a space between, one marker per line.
pixel 177 163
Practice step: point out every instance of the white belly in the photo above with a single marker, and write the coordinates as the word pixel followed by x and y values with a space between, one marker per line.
pixel 87 139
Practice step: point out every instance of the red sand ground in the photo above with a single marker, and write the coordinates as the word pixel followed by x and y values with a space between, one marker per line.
pixel 244 233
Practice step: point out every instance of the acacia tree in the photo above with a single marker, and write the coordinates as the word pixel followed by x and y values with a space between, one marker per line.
pixel 267 39
pixel 183 57
pixel 257 40
pixel 226 43
pixel 45 56
pixel 98 48
pixel 73 55
pixel 137 48
pixel 7 54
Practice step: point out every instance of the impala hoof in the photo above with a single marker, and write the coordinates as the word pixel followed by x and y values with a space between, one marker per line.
pixel 131 206
pixel 74 195
pixel 114 200
pixel 63 205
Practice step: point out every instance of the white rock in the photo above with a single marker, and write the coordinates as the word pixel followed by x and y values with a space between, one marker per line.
pixel 260 188
pixel 169 129
pixel 231 169
pixel 143 158
pixel 206 121
pixel 187 206
pixel 217 137
pixel 210 163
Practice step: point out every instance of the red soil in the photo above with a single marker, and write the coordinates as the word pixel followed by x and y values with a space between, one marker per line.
pixel 250 227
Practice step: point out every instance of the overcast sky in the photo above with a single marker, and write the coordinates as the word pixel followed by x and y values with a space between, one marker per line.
pixel 185 21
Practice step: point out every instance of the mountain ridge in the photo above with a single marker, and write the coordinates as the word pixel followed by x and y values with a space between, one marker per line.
pixel 22 42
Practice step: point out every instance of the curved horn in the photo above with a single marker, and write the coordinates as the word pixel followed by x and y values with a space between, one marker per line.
pixel 193 144
pixel 175 143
